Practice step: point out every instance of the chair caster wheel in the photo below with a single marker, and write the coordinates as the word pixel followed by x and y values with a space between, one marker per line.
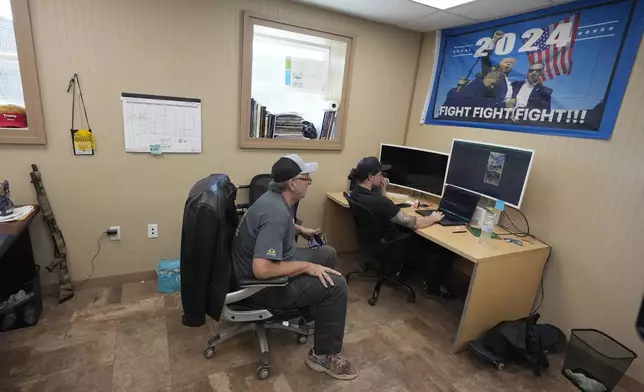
pixel 302 339
pixel 209 353
pixel 373 301
pixel 500 366
pixel 263 372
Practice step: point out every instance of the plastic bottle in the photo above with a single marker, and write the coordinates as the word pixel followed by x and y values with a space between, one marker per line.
pixel 487 229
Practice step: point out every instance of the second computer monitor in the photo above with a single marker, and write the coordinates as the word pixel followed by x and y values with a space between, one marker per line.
pixel 497 172
pixel 415 169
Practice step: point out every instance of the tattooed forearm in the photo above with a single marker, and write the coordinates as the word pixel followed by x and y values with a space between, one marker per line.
pixel 404 220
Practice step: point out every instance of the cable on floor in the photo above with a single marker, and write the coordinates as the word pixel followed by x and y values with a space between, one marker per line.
pixel 98 249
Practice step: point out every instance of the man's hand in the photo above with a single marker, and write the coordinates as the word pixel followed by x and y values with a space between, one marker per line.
pixel 436 216
pixel 322 273
pixel 510 103
pixel 383 186
pixel 308 233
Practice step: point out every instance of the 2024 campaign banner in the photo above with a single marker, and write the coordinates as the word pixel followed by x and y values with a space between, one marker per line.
pixel 559 71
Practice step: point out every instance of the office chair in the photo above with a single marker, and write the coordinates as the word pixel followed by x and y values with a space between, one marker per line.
pixel 208 284
pixel 257 187
pixel 384 253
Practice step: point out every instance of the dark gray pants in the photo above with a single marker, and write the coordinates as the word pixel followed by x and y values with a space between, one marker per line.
pixel 302 291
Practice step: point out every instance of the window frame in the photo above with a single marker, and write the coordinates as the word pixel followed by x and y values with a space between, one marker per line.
pixel 251 19
pixel 35 131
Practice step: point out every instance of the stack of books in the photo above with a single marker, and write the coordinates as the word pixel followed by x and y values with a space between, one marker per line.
pixel 329 125
pixel 288 126
pixel 262 122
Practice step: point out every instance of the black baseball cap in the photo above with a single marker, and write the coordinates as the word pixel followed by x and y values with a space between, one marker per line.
pixel 290 166
pixel 371 165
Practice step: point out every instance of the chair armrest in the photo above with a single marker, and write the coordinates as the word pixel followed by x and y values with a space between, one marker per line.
pixel 250 287
pixel 274 282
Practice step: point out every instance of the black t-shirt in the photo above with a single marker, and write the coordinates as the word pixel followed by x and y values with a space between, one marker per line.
pixel 381 206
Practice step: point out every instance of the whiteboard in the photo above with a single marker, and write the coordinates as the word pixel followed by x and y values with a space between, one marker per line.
pixel 174 123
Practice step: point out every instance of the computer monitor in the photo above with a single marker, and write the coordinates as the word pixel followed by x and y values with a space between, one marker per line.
pixel 414 168
pixel 494 171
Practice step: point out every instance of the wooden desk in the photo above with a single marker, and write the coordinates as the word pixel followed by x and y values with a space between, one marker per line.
pixel 16 255
pixel 505 279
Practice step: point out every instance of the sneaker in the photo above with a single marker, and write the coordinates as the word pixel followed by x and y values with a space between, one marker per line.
pixel 333 365
pixel 436 293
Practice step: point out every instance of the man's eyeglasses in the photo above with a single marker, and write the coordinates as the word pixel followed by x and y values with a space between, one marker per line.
pixel 307 179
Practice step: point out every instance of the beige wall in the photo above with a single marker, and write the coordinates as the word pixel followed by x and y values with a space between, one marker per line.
pixel 183 48
pixel 585 197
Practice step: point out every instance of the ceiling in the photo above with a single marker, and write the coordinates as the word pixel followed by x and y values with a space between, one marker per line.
pixel 415 16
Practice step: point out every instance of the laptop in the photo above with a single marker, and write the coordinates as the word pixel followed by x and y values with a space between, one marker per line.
pixel 457 205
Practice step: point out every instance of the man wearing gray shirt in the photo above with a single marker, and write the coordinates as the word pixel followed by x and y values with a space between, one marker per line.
pixel 264 247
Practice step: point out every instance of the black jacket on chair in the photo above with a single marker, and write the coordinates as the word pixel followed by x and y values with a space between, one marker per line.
pixel 209 224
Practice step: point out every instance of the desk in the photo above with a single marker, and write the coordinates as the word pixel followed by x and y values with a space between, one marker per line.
pixel 505 279
pixel 16 255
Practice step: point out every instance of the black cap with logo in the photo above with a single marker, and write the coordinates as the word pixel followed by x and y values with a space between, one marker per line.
pixel 370 165
pixel 290 166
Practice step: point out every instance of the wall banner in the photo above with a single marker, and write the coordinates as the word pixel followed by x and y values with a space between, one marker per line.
pixel 557 71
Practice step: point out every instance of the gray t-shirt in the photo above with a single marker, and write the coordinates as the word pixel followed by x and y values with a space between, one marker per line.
pixel 266 231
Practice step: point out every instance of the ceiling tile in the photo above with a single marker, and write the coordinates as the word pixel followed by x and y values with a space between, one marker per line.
pixel 491 9
pixel 436 21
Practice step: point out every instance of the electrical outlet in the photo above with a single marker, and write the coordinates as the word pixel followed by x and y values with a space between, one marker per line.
pixel 117 236
pixel 153 230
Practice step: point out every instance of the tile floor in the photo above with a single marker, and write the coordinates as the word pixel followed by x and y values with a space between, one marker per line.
pixel 129 338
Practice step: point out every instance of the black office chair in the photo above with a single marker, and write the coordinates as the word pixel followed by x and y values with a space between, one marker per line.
pixel 257 187
pixel 385 255
pixel 208 284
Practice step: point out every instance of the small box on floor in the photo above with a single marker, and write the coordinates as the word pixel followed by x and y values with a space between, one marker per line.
pixel 168 276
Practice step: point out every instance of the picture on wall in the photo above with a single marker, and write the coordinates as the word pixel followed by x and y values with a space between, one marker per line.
pixel 559 71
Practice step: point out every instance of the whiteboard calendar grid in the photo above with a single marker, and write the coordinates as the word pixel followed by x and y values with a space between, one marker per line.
pixel 173 123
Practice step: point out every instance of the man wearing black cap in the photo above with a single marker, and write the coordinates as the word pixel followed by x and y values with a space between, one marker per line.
pixel 264 247
pixel 371 192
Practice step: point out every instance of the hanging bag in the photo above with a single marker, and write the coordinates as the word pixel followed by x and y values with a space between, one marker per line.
pixel 82 139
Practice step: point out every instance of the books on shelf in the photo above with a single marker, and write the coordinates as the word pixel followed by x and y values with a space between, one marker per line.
pixel 329 125
pixel 262 122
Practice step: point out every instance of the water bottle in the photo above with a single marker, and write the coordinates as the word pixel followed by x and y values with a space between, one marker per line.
pixel 487 229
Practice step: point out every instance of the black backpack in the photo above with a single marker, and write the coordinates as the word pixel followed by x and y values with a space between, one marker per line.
pixel 522 341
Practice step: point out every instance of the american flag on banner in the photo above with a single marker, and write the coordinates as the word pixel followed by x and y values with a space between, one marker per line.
pixel 557 60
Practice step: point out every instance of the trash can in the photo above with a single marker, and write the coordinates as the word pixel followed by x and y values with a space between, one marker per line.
pixel 594 361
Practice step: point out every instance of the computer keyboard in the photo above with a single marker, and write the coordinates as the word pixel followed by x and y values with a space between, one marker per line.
pixel 446 221
pixel 425 212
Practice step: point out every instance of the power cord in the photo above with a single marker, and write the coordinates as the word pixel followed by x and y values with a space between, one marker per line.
pixel 98 249
pixel 519 232
pixel 523 234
